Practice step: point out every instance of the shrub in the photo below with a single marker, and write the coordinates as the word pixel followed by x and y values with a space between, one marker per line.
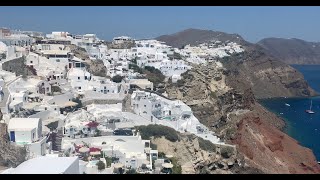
pixel 158 131
pixel 97 133
pixel 55 89
pixel 101 165
pixel 206 145
pixel 77 100
pixel 132 171
pixel 108 161
pixel 153 146
pixel 176 169
pixel 226 151
pixel 180 83
pixel 117 78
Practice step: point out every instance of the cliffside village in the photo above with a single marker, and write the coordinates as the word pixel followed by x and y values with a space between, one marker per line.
pixel 72 120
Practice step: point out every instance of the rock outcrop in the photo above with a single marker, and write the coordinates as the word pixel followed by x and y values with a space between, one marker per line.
pixel 270 150
pixel 197 156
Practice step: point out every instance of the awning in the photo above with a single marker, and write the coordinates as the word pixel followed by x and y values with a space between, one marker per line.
pixel 84 150
pixel 167 165
pixel 169 156
pixel 95 153
pixel 68 104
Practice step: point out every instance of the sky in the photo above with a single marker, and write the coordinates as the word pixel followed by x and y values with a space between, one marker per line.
pixel 252 23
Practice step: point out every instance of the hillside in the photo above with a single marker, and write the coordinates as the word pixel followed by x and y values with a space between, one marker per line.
pixel 197 36
pixel 225 100
pixel 292 51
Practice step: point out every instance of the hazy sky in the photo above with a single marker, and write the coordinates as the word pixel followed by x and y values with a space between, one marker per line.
pixel 252 23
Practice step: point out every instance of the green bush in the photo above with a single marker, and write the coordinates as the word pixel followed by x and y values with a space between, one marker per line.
pixel 101 165
pixel 176 169
pixel 226 151
pixel 117 78
pixel 132 171
pixel 158 131
pixel 108 161
pixel 153 146
pixel 55 89
pixel 206 145
pixel 180 83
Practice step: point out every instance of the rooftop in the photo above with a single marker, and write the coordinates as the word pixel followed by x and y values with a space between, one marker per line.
pixel 23 123
pixel 44 165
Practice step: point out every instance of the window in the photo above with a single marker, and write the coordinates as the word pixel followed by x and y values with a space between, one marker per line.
pixel 55 109
pixel 145 105
pixel 45 108
pixel 79 88
pixel 58 60
pixel 78 78
pixel 31 62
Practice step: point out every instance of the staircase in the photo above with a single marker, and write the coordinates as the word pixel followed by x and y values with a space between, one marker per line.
pixel 56 138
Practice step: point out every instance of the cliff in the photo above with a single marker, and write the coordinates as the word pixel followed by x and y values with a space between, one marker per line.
pixel 267 76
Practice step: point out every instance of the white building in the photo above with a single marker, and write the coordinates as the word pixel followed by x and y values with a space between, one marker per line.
pixel 28 131
pixel 132 151
pixel 79 79
pixel 121 39
pixel 47 165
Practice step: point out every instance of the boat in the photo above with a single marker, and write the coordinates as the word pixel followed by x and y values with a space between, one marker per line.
pixel 287 104
pixel 309 111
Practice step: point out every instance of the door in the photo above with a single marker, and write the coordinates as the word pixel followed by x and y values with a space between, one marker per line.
pixel 12 136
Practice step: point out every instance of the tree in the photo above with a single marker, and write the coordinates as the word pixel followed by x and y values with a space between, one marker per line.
pixel 101 165
pixel 97 133
pixel 108 161
pixel 132 171
pixel 117 78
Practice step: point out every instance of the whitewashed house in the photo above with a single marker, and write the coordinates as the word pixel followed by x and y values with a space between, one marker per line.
pixel 28 131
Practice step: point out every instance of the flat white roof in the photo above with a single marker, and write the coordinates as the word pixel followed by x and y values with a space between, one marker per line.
pixel 45 165
pixel 23 123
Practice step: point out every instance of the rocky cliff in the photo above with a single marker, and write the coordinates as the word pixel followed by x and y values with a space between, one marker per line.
pixel 224 99
pixel 267 76
pixel 233 113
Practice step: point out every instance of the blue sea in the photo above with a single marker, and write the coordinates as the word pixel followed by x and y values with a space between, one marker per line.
pixel 303 127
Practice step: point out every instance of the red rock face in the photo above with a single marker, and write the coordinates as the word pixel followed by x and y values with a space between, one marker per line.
pixel 272 151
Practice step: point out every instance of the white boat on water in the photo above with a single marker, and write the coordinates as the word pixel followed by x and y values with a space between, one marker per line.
pixel 287 104
pixel 309 111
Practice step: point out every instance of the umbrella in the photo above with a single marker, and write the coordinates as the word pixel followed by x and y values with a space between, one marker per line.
pixel 69 103
pixel 167 165
pixel 169 156
pixel 84 150
pixel 118 165
pixel 95 153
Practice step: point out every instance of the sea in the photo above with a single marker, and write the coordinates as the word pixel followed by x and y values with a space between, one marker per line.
pixel 303 127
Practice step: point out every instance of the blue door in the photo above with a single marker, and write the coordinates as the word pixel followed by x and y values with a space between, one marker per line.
pixel 12 136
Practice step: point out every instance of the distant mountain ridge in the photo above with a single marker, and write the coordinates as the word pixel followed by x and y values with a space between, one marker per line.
pixel 197 36
pixel 292 51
